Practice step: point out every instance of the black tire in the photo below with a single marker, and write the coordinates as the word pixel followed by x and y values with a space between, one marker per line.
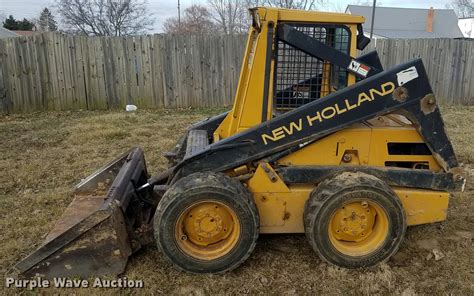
pixel 331 195
pixel 197 188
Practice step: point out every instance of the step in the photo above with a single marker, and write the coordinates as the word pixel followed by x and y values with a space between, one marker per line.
pixel 197 141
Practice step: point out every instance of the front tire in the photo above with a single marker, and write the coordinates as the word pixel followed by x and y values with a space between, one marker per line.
pixel 206 223
pixel 354 220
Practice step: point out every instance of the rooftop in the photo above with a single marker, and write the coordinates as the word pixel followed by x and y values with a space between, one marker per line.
pixel 395 22
pixel 5 33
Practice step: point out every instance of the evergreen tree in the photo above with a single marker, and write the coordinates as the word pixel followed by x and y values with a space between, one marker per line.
pixel 46 21
pixel 12 24
pixel 25 25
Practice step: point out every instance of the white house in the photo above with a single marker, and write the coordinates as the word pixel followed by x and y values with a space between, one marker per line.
pixel 467 27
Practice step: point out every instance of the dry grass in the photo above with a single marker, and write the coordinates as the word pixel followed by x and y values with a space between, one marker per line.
pixel 43 155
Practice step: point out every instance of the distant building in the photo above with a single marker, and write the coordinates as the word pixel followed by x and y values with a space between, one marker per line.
pixel 467 27
pixel 25 33
pixel 5 33
pixel 409 23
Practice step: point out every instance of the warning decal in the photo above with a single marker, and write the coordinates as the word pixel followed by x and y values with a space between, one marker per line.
pixel 406 75
pixel 359 68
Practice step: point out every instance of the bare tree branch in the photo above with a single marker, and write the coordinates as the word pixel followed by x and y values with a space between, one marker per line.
pixel 196 20
pixel 232 16
pixel 105 17
pixel 293 4
pixel 463 8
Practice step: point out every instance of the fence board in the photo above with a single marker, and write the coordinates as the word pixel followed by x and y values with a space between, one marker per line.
pixel 157 64
pixel 60 72
pixel 5 104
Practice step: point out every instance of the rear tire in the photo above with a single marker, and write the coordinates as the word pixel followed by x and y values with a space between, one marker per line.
pixel 354 220
pixel 206 223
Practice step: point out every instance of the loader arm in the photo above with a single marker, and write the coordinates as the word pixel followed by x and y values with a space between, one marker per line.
pixel 403 89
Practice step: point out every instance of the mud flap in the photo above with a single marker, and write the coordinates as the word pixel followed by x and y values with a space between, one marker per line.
pixel 100 228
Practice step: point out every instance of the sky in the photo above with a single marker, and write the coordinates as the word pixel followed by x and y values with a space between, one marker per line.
pixel 162 9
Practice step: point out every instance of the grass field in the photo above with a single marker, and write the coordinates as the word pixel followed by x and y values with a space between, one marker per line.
pixel 43 155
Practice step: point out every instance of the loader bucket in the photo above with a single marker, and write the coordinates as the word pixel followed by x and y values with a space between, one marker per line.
pixel 93 237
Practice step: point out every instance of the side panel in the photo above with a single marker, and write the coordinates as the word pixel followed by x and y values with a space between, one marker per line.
pixel 366 146
pixel 379 153
pixel 423 206
pixel 281 208
pixel 330 150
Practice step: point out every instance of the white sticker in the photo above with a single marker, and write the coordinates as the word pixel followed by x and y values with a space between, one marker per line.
pixel 407 75
pixel 357 67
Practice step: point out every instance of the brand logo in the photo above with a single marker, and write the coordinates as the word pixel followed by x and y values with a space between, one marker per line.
pixel 327 113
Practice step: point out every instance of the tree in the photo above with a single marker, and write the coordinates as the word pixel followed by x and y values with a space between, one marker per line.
pixel 26 25
pixel 463 8
pixel 231 15
pixel 172 25
pixel 105 17
pixel 12 24
pixel 196 20
pixel 293 4
pixel 46 22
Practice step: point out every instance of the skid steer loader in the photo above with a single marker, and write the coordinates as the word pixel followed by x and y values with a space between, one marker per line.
pixel 317 142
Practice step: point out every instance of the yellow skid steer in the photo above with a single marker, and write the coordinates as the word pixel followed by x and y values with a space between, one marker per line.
pixel 318 141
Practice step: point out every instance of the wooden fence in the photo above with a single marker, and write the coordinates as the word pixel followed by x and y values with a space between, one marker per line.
pixel 61 72
pixel 448 62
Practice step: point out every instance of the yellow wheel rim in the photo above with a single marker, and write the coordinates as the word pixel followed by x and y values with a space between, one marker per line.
pixel 207 230
pixel 358 228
